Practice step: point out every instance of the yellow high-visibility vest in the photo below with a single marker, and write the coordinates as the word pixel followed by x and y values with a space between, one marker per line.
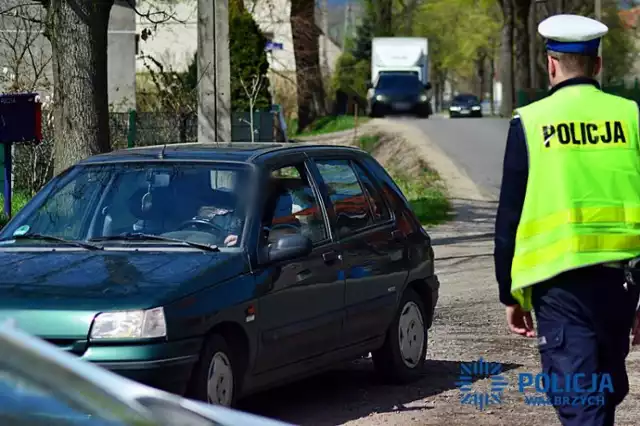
pixel 582 203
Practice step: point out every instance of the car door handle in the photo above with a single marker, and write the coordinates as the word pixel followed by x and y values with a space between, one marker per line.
pixel 330 256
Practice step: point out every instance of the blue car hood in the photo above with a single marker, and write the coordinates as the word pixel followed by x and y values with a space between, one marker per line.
pixel 84 280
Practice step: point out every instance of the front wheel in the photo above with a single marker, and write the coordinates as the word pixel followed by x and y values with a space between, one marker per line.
pixel 215 377
pixel 403 354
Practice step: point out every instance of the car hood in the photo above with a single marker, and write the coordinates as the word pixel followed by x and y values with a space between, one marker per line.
pixel 467 104
pixel 57 294
pixel 400 92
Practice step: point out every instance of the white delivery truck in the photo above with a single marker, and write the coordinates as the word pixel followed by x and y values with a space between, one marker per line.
pixel 400 54
pixel 399 77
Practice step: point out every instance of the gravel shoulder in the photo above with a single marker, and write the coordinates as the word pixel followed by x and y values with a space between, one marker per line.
pixel 469 325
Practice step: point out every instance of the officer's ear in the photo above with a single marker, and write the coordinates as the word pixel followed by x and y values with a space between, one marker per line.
pixel 597 66
pixel 552 66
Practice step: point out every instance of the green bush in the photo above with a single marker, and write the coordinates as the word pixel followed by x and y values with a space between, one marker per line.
pixel 18 201
pixel 351 75
pixel 248 58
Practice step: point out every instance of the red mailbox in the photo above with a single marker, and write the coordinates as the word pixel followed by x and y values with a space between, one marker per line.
pixel 20 122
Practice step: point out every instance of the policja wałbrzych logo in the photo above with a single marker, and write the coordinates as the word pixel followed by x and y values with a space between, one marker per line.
pixel 478 370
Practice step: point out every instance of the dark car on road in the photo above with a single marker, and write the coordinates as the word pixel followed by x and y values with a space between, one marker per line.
pixel 465 105
pixel 399 92
pixel 214 271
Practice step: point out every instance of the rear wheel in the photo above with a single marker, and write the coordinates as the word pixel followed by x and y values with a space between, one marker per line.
pixel 403 354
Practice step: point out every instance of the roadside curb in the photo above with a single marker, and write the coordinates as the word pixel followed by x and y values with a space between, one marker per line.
pixel 459 184
pixel 342 134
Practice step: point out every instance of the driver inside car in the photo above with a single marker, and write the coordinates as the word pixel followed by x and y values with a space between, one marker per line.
pixel 217 210
pixel 224 219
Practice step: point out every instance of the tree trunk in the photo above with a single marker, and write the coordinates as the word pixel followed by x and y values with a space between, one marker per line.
pixel 506 59
pixel 311 96
pixel 385 18
pixel 522 65
pixel 77 30
pixel 491 86
pixel 482 75
pixel 533 46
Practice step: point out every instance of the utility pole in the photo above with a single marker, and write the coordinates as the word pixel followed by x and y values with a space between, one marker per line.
pixel 598 8
pixel 347 23
pixel 214 85
pixel 325 30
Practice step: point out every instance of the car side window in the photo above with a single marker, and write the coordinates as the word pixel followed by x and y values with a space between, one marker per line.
pixel 380 211
pixel 292 206
pixel 349 201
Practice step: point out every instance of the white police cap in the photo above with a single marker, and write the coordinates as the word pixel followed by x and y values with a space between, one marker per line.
pixel 572 34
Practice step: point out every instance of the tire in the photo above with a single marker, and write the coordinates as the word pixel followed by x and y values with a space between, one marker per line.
pixel 389 360
pixel 216 354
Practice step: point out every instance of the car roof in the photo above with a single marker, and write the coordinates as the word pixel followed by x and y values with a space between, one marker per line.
pixel 253 153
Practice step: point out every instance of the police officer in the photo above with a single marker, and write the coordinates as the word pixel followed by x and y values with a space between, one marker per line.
pixel 569 207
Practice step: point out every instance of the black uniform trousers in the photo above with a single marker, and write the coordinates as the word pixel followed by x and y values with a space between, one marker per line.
pixel 584 320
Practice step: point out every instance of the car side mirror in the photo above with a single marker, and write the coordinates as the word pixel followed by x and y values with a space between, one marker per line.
pixel 288 247
pixel 427 86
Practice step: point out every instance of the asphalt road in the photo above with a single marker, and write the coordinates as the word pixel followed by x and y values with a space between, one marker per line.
pixel 474 144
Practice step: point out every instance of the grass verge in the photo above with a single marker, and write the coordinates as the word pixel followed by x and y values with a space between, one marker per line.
pixel 425 191
pixel 328 124
pixel 18 200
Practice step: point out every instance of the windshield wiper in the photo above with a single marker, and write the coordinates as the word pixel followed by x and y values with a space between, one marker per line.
pixel 140 236
pixel 43 237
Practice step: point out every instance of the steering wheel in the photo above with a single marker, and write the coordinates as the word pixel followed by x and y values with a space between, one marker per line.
pixel 199 223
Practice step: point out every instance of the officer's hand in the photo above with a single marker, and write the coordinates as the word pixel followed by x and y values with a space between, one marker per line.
pixel 519 321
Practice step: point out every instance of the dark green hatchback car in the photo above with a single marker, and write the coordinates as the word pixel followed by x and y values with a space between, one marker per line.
pixel 216 271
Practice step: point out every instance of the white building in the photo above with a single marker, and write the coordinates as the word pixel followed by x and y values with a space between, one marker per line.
pixel 18 36
pixel 174 43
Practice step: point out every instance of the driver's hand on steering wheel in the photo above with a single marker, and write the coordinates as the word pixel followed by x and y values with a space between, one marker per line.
pixel 231 240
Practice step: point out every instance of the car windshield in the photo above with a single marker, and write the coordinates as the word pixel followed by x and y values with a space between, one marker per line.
pixel 465 98
pixel 403 81
pixel 134 203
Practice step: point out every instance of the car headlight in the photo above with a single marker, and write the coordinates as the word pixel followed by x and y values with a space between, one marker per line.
pixel 475 108
pixel 454 108
pixel 423 98
pixel 129 325
pixel 379 98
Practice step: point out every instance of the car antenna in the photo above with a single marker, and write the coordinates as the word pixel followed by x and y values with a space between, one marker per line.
pixel 161 155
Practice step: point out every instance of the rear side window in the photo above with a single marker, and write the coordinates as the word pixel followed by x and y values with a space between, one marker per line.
pixel 349 200
pixel 378 207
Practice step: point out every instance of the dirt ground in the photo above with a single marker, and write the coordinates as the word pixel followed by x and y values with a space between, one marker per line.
pixel 468 325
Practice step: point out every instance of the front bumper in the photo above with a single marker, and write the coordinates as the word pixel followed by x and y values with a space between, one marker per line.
pixel 468 112
pixel 162 365
pixel 387 107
